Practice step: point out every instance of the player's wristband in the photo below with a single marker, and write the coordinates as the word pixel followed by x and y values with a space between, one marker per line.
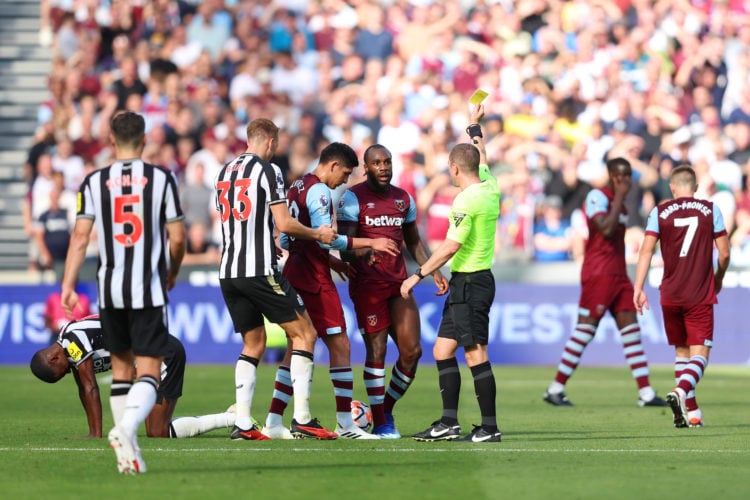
pixel 474 130
pixel 418 273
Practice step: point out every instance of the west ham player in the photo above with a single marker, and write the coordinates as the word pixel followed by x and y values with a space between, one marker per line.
pixel 307 269
pixel 687 229
pixel 79 348
pixel 135 206
pixel 374 208
pixel 605 286
pixel 251 202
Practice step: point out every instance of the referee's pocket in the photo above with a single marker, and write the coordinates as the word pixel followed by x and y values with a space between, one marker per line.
pixel 458 294
pixel 460 311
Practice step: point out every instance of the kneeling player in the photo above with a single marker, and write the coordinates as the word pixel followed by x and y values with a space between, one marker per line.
pixel 80 349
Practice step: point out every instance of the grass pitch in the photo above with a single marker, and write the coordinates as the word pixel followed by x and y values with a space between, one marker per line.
pixel 604 447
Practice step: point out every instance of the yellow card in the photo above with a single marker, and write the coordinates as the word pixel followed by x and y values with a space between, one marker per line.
pixel 478 96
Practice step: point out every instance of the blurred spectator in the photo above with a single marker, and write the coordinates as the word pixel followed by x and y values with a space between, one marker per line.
pixel 81 130
pixel 553 238
pixel 515 233
pixel 570 83
pixel 297 82
pixel 200 249
pixel 197 198
pixel 54 315
pixel 44 142
pixel 128 83
pixel 434 201
pixel 741 114
pixel 36 203
pixel 740 135
pixel 70 164
pixel 373 40
pixel 740 240
pixel 52 233
pixel 211 27
pixel 567 183
pixel 301 158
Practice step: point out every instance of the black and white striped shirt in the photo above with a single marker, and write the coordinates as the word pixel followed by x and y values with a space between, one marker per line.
pixel 131 202
pixel 83 339
pixel 246 188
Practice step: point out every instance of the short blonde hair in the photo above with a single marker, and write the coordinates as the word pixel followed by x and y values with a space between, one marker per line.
pixel 262 128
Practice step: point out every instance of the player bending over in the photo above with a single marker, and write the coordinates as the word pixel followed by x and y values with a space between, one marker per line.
pixel 80 349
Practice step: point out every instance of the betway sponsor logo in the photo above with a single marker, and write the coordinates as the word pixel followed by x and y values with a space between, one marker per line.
pixel 384 220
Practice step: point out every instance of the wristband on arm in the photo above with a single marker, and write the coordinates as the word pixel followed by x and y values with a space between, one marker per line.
pixel 474 130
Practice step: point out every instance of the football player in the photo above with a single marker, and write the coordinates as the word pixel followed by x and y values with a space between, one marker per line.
pixel 79 348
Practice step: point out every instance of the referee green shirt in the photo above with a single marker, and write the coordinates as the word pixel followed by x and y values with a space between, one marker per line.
pixel 472 223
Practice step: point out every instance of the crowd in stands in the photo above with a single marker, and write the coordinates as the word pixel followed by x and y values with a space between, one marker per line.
pixel 571 83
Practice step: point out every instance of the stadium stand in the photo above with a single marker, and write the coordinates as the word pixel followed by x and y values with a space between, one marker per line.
pixel 23 85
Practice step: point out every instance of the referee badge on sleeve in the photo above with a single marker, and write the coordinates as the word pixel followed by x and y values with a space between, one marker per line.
pixel 458 218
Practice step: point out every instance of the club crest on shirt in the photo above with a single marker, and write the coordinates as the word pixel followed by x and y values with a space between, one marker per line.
pixel 400 205
pixel 458 218
pixel 372 319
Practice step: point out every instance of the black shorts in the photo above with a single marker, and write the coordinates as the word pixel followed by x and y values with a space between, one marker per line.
pixel 172 371
pixel 142 330
pixel 466 313
pixel 249 299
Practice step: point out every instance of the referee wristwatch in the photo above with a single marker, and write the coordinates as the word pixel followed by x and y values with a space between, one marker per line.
pixel 418 273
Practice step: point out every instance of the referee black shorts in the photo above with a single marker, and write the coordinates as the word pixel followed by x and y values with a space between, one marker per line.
pixel 249 299
pixel 466 313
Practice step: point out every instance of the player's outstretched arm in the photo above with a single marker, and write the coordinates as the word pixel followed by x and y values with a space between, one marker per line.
pixel 420 253
pixel 289 225
pixel 382 245
pixel 443 254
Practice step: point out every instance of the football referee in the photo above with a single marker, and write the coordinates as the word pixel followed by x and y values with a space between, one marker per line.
pixel 470 243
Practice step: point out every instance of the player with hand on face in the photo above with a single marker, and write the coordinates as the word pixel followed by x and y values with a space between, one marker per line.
pixel 375 208
pixel 605 286
pixel 79 349
pixel 308 270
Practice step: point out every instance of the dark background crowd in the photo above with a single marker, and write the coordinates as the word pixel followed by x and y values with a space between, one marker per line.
pixel 570 83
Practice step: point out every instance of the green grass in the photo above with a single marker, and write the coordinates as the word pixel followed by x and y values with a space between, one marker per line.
pixel 604 447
